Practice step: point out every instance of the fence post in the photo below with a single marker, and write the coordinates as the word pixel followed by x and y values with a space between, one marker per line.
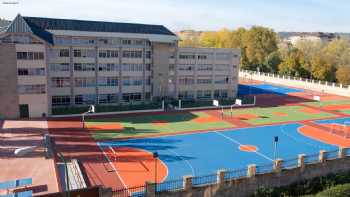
pixel 180 104
pixel 277 165
pixel 322 156
pixel 301 161
pixel 221 176
pixel 163 105
pixel 341 153
pixel 150 189
pixel 187 182
pixel 251 170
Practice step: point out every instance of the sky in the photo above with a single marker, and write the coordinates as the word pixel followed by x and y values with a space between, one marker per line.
pixel 280 15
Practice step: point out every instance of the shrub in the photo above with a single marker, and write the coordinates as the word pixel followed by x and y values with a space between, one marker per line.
pixel 336 191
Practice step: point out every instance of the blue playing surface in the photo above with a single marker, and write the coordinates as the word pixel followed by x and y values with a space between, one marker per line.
pixel 205 153
pixel 265 89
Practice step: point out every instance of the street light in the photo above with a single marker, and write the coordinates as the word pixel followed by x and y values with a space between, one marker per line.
pixel 20 152
pixel 155 156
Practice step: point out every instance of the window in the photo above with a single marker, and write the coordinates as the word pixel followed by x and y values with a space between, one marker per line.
pixel 202 57
pixel 63 40
pixel 204 80
pixel 148 67
pixel 132 67
pixel 132 54
pixel 103 41
pixel 204 67
pixel 59 67
pixel 185 67
pixel 107 98
pixel 128 97
pixel 108 67
pixel 31 71
pixel 186 81
pixel 60 100
pixel 186 95
pixel 222 67
pixel 30 55
pixel 138 42
pixel 108 53
pixel 32 89
pixel 220 94
pixel 148 54
pixel 85 99
pixel 64 53
pixel 132 81
pixel 84 67
pixel 223 56
pixel 82 41
pixel 84 53
pixel 204 94
pixel 60 82
pixel 187 56
pixel 108 81
pixel 126 42
pixel 85 82
pixel 221 79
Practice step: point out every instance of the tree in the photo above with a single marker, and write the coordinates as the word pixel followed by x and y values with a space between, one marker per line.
pixel 321 69
pixel 272 61
pixel 208 39
pixel 259 42
pixel 294 64
pixel 343 74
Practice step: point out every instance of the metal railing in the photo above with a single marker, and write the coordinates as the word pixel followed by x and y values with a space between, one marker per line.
pixel 138 191
pixel 289 163
pixel 204 180
pixel 329 155
pixel 262 169
pixel 235 174
pixel 171 185
pixel 309 159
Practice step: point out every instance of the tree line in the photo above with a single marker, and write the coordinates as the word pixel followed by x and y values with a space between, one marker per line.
pixel 262 49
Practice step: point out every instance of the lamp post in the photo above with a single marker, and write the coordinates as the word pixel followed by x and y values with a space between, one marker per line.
pixel 155 156
pixel 20 152
pixel 275 147
pixel 91 110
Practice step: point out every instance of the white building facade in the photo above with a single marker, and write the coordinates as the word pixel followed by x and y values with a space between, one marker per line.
pixel 63 62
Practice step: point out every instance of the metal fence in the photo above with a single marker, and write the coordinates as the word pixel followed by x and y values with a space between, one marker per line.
pixel 261 169
pixel 138 191
pixel 235 174
pixel 205 180
pixel 289 163
pixel 171 185
pixel 329 155
pixel 311 159
pixel 346 151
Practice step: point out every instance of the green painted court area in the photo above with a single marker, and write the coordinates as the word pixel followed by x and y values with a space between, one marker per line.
pixel 328 103
pixel 143 125
pixel 259 116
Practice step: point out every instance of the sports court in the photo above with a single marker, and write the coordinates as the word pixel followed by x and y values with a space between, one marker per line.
pixel 201 142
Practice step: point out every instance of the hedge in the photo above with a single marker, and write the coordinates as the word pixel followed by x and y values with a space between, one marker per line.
pixel 307 187
pixel 105 108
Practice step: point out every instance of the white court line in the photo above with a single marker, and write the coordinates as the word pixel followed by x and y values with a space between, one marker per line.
pixel 110 163
pixel 297 140
pixel 185 160
pixel 232 140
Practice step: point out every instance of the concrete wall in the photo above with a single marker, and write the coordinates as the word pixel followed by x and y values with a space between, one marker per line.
pixel 9 106
pixel 318 86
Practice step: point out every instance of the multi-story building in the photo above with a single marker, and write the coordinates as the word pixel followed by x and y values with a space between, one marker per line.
pixel 48 63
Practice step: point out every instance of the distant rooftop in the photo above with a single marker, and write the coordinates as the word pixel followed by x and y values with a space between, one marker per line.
pixel 95 26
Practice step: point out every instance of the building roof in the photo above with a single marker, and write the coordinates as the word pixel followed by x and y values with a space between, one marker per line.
pixel 95 26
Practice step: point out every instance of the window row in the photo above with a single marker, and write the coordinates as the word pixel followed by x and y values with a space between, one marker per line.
pixel 204 67
pixel 60 82
pixel 218 56
pixel 101 67
pixel 107 41
pixel 88 99
pixel 203 94
pixel 32 89
pixel 191 81
pixel 31 71
pixel 30 55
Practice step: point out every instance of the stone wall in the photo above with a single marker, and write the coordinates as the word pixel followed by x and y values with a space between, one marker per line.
pixel 9 107
pixel 314 85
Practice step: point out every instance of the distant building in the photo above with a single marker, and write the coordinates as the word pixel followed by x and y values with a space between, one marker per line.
pixel 49 63
pixel 295 37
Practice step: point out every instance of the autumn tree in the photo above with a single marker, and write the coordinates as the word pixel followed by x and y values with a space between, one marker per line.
pixel 259 42
pixel 343 74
